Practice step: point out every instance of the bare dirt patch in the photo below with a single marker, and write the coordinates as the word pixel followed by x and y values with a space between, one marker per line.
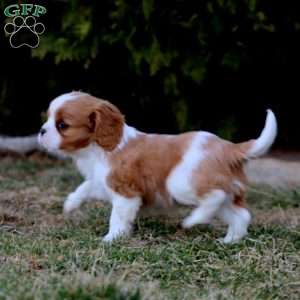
pixel 280 170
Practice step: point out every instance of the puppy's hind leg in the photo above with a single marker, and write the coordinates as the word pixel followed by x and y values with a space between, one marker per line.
pixel 208 208
pixel 238 219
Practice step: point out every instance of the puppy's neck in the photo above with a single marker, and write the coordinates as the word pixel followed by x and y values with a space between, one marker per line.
pixel 86 159
pixel 92 151
pixel 129 133
pixel 89 158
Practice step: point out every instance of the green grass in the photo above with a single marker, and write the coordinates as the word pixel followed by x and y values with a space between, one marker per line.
pixel 45 256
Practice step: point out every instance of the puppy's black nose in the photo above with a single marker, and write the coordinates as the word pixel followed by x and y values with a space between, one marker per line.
pixel 42 131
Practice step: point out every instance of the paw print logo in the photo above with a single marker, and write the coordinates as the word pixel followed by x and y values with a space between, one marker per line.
pixel 24 32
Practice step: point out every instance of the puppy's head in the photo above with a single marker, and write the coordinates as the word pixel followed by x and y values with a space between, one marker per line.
pixel 77 119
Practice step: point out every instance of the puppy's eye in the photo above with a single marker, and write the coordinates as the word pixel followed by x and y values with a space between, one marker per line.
pixel 62 125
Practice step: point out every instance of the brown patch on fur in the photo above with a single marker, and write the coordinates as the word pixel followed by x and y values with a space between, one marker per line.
pixel 142 166
pixel 89 119
pixel 222 168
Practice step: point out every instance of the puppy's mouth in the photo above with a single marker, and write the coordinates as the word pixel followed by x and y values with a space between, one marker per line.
pixel 50 149
pixel 42 141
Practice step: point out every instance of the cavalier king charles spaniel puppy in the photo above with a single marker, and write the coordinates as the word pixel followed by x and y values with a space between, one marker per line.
pixel 132 169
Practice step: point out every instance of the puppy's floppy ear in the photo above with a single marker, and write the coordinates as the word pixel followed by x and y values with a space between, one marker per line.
pixel 107 125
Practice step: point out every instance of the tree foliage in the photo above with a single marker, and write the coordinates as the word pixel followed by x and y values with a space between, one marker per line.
pixel 159 49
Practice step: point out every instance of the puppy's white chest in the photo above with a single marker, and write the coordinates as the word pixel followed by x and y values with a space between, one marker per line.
pixel 95 168
pixel 86 168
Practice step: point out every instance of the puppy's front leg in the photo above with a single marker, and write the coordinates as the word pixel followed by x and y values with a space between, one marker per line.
pixel 124 211
pixel 76 198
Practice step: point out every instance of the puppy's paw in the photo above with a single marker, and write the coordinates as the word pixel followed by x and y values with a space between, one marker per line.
pixel 229 239
pixel 113 236
pixel 109 238
pixel 70 205
pixel 187 223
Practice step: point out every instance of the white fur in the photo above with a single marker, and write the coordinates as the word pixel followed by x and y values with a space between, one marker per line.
pixel 267 137
pixel 128 134
pixel 122 217
pixel 179 182
pixel 238 220
pixel 51 140
pixel 207 209
pixel 75 199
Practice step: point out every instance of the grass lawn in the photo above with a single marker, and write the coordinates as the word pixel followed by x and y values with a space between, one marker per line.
pixel 46 256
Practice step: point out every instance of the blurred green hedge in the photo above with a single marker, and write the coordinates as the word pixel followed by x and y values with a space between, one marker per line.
pixel 173 40
pixel 166 49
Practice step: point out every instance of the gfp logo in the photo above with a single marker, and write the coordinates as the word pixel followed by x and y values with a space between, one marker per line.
pixel 24 30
